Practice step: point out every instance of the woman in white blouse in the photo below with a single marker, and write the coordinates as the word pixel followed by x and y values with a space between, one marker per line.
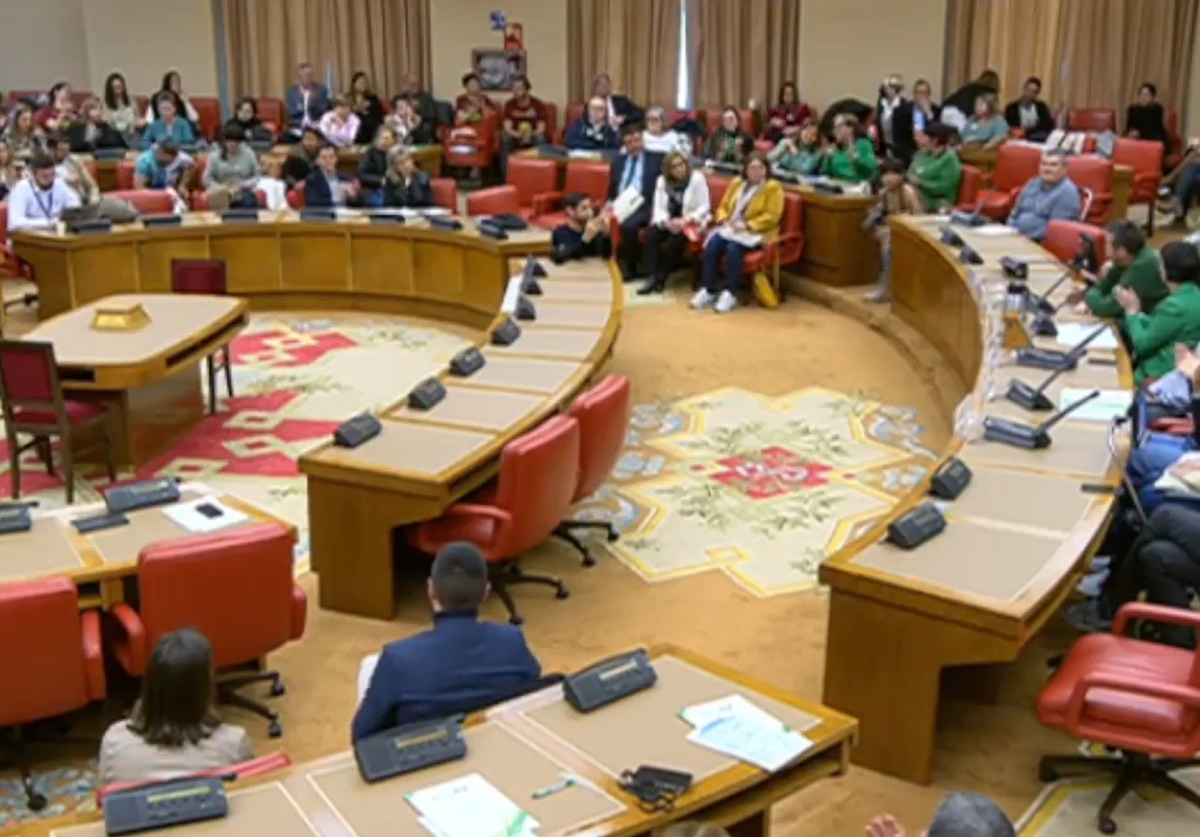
pixel 658 137
pixel 681 212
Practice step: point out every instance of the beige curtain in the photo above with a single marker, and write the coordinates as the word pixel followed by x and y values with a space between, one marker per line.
pixel 1088 53
pixel 741 50
pixel 266 39
pixel 634 41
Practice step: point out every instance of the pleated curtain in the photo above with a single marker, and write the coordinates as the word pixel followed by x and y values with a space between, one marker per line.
pixel 634 41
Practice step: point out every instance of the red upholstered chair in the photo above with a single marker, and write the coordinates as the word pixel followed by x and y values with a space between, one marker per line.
pixel 270 110
pixel 1095 174
pixel 33 404
pixel 574 111
pixel 1174 149
pixel 235 587
pixel 10 263
pixel 786 248
pixel 147 201
pixel 1146 160
pixel 1016 165
pixel 1096 120
pixel 206 276
pixel 200 202
pixel 52 656
pixel 445 192
pixel 717 186
pixel 969 188
pixel 531 177
pixel 1063 239
pixel 603 416
pixel 125 170
pixel 257 766
pixel 1141 698
pixel 208 108
pixel 475 152
pixel 295 197
pixel 539 474
pixel 498 200
pixel 587 177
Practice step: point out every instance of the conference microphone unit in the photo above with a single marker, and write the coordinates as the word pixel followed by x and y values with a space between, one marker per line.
pixel 1032 398
pixel 974 218
pixel 1052 359
pixel 1030 436
pixel 950 238
pixel 529 276
pixel 444 223
pixel 1041 302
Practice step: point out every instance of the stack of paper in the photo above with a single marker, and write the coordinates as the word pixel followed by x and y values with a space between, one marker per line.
pixel 736 727
pixel 470 806
pixel 1072 334
pixel 1112 402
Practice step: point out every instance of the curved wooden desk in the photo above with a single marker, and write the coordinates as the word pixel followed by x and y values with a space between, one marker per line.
pixel 984 159
pixel 1017 539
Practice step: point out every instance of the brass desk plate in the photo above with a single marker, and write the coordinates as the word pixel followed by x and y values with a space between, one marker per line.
pixel 131 318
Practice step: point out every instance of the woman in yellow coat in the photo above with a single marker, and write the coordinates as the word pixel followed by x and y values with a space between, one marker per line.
pixel 747 219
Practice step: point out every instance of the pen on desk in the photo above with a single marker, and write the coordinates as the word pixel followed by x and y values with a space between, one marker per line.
pixel 550 790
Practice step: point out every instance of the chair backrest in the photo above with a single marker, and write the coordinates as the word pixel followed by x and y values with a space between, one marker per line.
pixel 257 766
pixel 1146 160
pixel 717 187
pixel 539 473
pixel 78 97
pixel 198 276
pixel 1063 239
pixel 969 186
pixel 295 197
pixel 42 651
pixel 574 111
pixel 4 218
pixel 551 111
pixel 235 587
pixel 147 201
pixel 270 109
pixel 589 178
pixel 208 108
pixel 499 200
pixel 712 120
pixel 29 377
pixel 125 170
pixel 603 416
pixel 793 213
pixel 1091 119
pixel 445 192
pixel 531 177
pixel 1016 165
pixel 1095 174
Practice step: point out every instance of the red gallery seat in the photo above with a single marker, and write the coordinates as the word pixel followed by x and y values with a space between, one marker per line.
pixel 498 200
pixel 1095 174
pixel 200 202
pixel 445 193
pixel 1063 239
pixel 1146 160
pixel 473 152
pixel 270 110
pixel 147 201
pixel 1016 165
pixel 1092 120
pixel 969 188
pixel 295 197
pixel 208 109
pixel 587 177
pixel 10 263
pixel 530 177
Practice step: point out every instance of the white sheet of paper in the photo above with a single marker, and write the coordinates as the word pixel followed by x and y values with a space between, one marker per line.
pixel 994 230
pixel 470 806
pixel 768 745
pixel 1071 334
pixel 366 669
pixel 512 294
pixel 1112 402
pixel 627 203
pixel 188 516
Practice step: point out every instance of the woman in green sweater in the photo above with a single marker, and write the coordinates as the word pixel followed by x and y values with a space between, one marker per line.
pixel 853 158
pixel 801 154
pixel 936 170
pixel 1175 320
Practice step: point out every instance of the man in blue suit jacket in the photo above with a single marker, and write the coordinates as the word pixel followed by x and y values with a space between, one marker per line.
pixel 326 187
pixel 639 169
pixel 307 101
pixel 461 662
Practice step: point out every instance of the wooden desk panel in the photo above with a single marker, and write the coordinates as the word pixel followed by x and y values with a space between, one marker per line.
pixel 522 374
pixel 542 341
pixel 481 409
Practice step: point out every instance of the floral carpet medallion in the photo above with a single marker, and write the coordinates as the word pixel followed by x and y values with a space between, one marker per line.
pixel 757 487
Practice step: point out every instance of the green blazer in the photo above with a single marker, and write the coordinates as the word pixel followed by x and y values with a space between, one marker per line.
pixel 1143 276
pixel 1153 336
pixel 839 165
pixel 936 177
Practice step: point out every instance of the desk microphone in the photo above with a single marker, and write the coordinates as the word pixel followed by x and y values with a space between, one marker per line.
pixel 1022 393
pixel 974 218
pixel 1052 359
pixel 1029 436
pixel 1041 302
pixel 529 276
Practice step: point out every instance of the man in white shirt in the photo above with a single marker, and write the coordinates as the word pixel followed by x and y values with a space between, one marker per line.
pixel 39 199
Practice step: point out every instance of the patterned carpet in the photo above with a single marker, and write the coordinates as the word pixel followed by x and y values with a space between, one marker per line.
pixel 1068 809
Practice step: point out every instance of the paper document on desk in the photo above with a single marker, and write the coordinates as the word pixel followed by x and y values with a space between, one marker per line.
pixel 1112 402
pixel 994 230
pixel 470 806
pixel 738 728
pixel 1072 334
pixel 204 514
pixel 627 203
pixel 512 295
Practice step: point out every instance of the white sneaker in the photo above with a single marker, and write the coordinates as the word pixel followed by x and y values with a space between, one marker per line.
pixel 703 299
pixel 726 302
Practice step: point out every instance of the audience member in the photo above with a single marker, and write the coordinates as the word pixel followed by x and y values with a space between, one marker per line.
pixel 8 169
pixel 788 115
pixel 174 729
pixel 959 815
pixel 373 166
pixel 303 157
pixel 366 106
pixel 1050 196
pixel 306 101
pixel 462 663
pixel 592 131
pixel 1145 118
pixel 172 88
pixel 340 125
pixel 271 183
pixel 936 171
pixel 231 173
pixel 584 234
pixel 729 143
pixel 638 170
pixel 896 197
pixel 618 108
pixel 410 127
pixel 39 198
pixel 245 118
pixel 72 171
pixel 169 125
pixel 120 110
pixel 92 132
pixel 1029 113
pixel 800 154
pixel 164 166
pixel 893 114
pixel 1134 265
pixel 406 186
pixel 1187 189
pixel 524 121
pixel 472 106
pixel 24 137
pixel 852 157
pixel 326 187
pixel 1175 320
pixel 985 129
pixel 681 212
pixel 662 139
pixel 960 104
pixel 748 216
pixel 421 100
pixel 59 112
pixel 925 111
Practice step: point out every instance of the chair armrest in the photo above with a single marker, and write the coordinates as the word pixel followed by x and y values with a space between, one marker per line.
pixel 299 611
pixel 93 655
pixel 775 246
pixel 1146 178
pixel 1154 613
pixel 1174 426
pixel 546 202
pixel 1187 695
pixel 500 517
pixel 133 647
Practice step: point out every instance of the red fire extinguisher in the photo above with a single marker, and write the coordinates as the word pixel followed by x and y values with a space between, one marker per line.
pixel 514 37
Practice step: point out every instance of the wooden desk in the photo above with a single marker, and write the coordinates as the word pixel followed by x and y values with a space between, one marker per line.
pixel 149 378
pixel 100 562
pixel 423 462
pixel 527 744
pixel 900 623
pixel 837 250
pixel 985 161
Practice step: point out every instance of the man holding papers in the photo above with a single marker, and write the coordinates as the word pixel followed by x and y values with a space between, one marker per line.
pixel 631 184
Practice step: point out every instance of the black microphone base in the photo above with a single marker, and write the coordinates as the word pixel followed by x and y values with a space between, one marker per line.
pixel 1028 397
pixel 1044 326
pixel 1046 359
pixel 1017 435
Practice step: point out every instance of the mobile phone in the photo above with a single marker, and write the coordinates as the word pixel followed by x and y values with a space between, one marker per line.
pixel 209 510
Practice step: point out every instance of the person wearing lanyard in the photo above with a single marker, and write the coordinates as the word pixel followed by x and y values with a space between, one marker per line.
pixel 39 199
pixel 636 169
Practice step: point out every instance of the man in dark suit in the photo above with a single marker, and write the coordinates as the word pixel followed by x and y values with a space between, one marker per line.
pixel 1030 113
pixel 621 109
pixel 636 169
pixel 326 187
pixel 460 665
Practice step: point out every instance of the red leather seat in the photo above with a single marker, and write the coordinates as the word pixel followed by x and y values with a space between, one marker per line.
pixel 445 192
pixel 587 177
pixel 1095 174
pixel 257 766
pixel 10 263
pixel 125 170
pixel 539 474
pixel 969 188
pixel 1146 160
pixel 498 200
pixel 52 657
pixel 147 201
pixel 270 110
pixel 1174 149
pixel 295 197
pixel 1016 165
pixel 1062 239
pixel 1139 697
pixel 531 177
pixel 1096 120
pixel 235 587
pixel 573 112
pixel 473 152
pixel 208 109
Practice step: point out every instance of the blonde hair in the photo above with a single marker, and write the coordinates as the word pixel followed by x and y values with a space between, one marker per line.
pixel 669 162
pixel 693 829
pixel 398 153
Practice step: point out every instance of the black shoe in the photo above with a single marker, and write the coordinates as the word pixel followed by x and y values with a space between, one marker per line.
pixel 654 286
